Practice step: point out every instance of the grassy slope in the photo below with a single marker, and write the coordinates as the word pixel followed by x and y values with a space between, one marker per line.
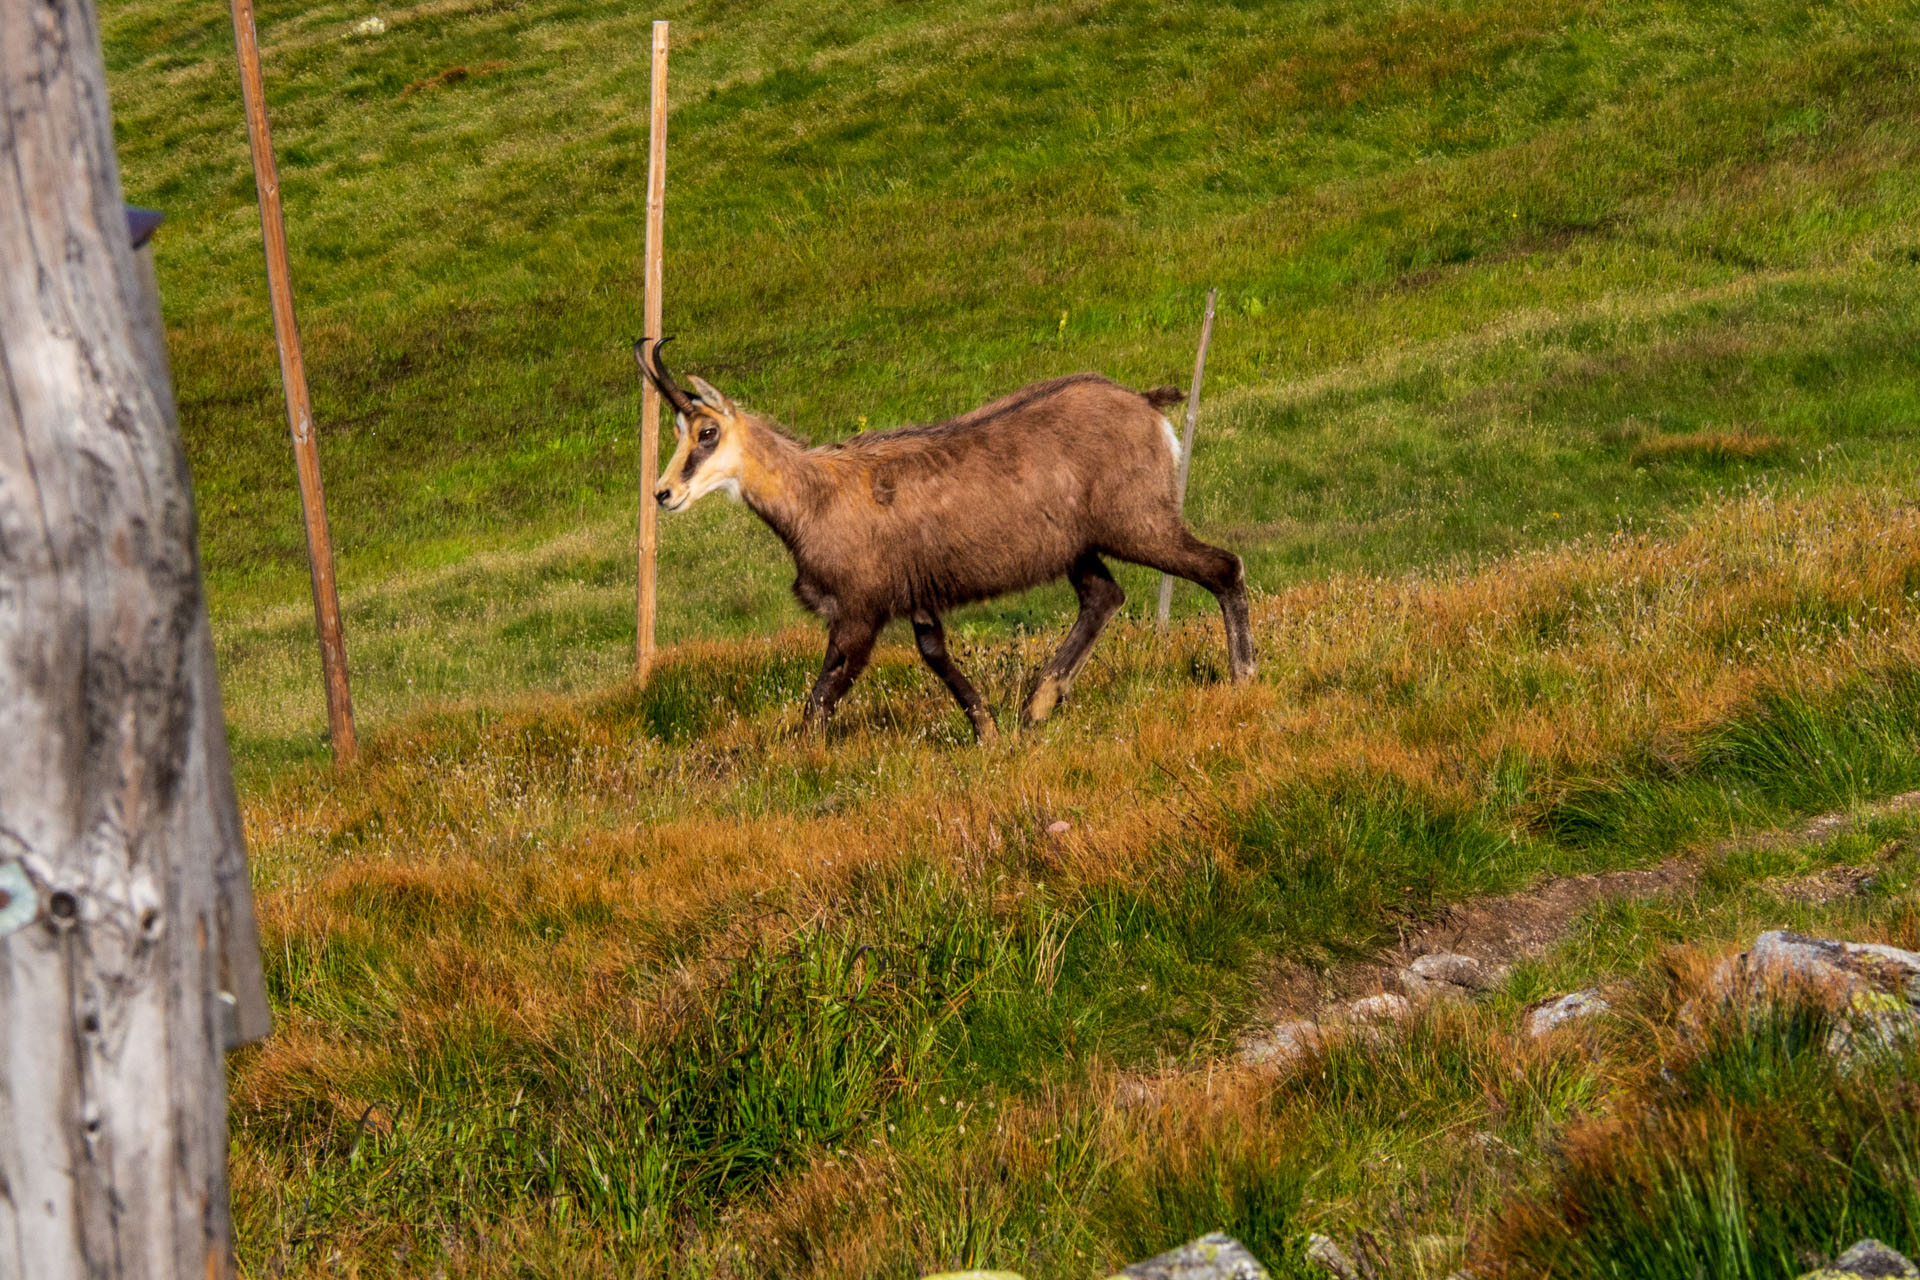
pixel 622 982
pixel 613 981
pixel 1482 267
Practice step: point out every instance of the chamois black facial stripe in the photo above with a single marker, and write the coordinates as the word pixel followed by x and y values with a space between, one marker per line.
pixel 700 452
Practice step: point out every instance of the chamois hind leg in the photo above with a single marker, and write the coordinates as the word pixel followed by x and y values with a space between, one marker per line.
pixel 1219 571
pixel 931 638
pixel 849 645
pixel 1100 597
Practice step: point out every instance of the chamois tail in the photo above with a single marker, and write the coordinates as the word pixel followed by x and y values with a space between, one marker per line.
pixel 1163 397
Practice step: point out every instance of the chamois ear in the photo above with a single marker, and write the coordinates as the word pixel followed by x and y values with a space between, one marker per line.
pixel 711 398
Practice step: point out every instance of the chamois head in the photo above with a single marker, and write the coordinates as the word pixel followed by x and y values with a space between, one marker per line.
pixel 707 429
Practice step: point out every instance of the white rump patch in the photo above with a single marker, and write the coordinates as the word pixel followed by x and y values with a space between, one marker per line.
pixel 1173 441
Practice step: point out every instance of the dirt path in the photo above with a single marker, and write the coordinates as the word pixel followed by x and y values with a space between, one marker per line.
pixel 1497 931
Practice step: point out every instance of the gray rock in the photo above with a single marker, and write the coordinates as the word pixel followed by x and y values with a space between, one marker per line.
pixel 1867 1260
pixel 1357 1021
pixel 1872 1259
pixel 1557 1012
pixel 1385 1007
pixel 1291 1041
pixel 1781 956
pixel 1875 1022
pixel 1214 1256
pixel 1875 987
pixel 1448 975
pixel 1327 1254
pixel 1286 1042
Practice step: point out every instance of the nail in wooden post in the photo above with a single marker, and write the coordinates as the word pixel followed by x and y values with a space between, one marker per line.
pixel 649 397
pixel 1186 445
pixel 293 377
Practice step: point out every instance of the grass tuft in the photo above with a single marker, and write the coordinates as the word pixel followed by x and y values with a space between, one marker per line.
pixel 1756 1152
pixel 1708 448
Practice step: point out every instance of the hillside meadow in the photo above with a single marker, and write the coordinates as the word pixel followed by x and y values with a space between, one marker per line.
pixel 1561 406
pixel 647 980
pixel 1493 276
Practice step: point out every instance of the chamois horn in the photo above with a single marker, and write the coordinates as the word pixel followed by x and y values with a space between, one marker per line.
pixel 657 374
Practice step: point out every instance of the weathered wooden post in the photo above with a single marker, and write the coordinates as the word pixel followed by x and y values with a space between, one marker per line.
pixel 649 551
pixel 127 960
pixel 293 378
pixel 1165 612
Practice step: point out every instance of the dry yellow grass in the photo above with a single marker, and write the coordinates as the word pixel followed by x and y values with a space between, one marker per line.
pixel 465 832
pixel 1422 1147
pixel 1139 1155
pixel 1709 446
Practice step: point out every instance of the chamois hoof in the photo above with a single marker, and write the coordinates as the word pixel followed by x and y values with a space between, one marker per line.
pixel 984 732
pixel 1045 698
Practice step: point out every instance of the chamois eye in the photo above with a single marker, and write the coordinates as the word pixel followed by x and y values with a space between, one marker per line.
pixel 709 433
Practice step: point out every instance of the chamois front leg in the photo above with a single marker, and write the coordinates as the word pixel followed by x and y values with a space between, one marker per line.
pixel 931 638
pixel 849 645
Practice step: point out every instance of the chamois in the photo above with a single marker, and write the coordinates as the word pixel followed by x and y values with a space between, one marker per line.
pixel 909 523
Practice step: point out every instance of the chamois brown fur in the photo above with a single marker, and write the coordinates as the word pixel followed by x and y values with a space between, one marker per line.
pixel 910 523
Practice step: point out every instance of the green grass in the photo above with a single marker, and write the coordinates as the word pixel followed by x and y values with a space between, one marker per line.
pixel 1760 1155
pixel 1786 758
pixel 1742 1151
pixel 575 978
pixel 1481 268
pixel 923 1002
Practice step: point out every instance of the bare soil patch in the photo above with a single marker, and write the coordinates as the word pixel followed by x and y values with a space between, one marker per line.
pixel 1497 931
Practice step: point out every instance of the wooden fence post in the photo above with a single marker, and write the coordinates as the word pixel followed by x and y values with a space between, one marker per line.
pixel 1165 612
pixel 649 551
pixel 119 838
pixel 215 821
pixel 293 377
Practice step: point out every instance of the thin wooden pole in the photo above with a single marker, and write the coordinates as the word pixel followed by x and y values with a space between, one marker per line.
pixel 649 396
pixel 293 377
pixel 1186 445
